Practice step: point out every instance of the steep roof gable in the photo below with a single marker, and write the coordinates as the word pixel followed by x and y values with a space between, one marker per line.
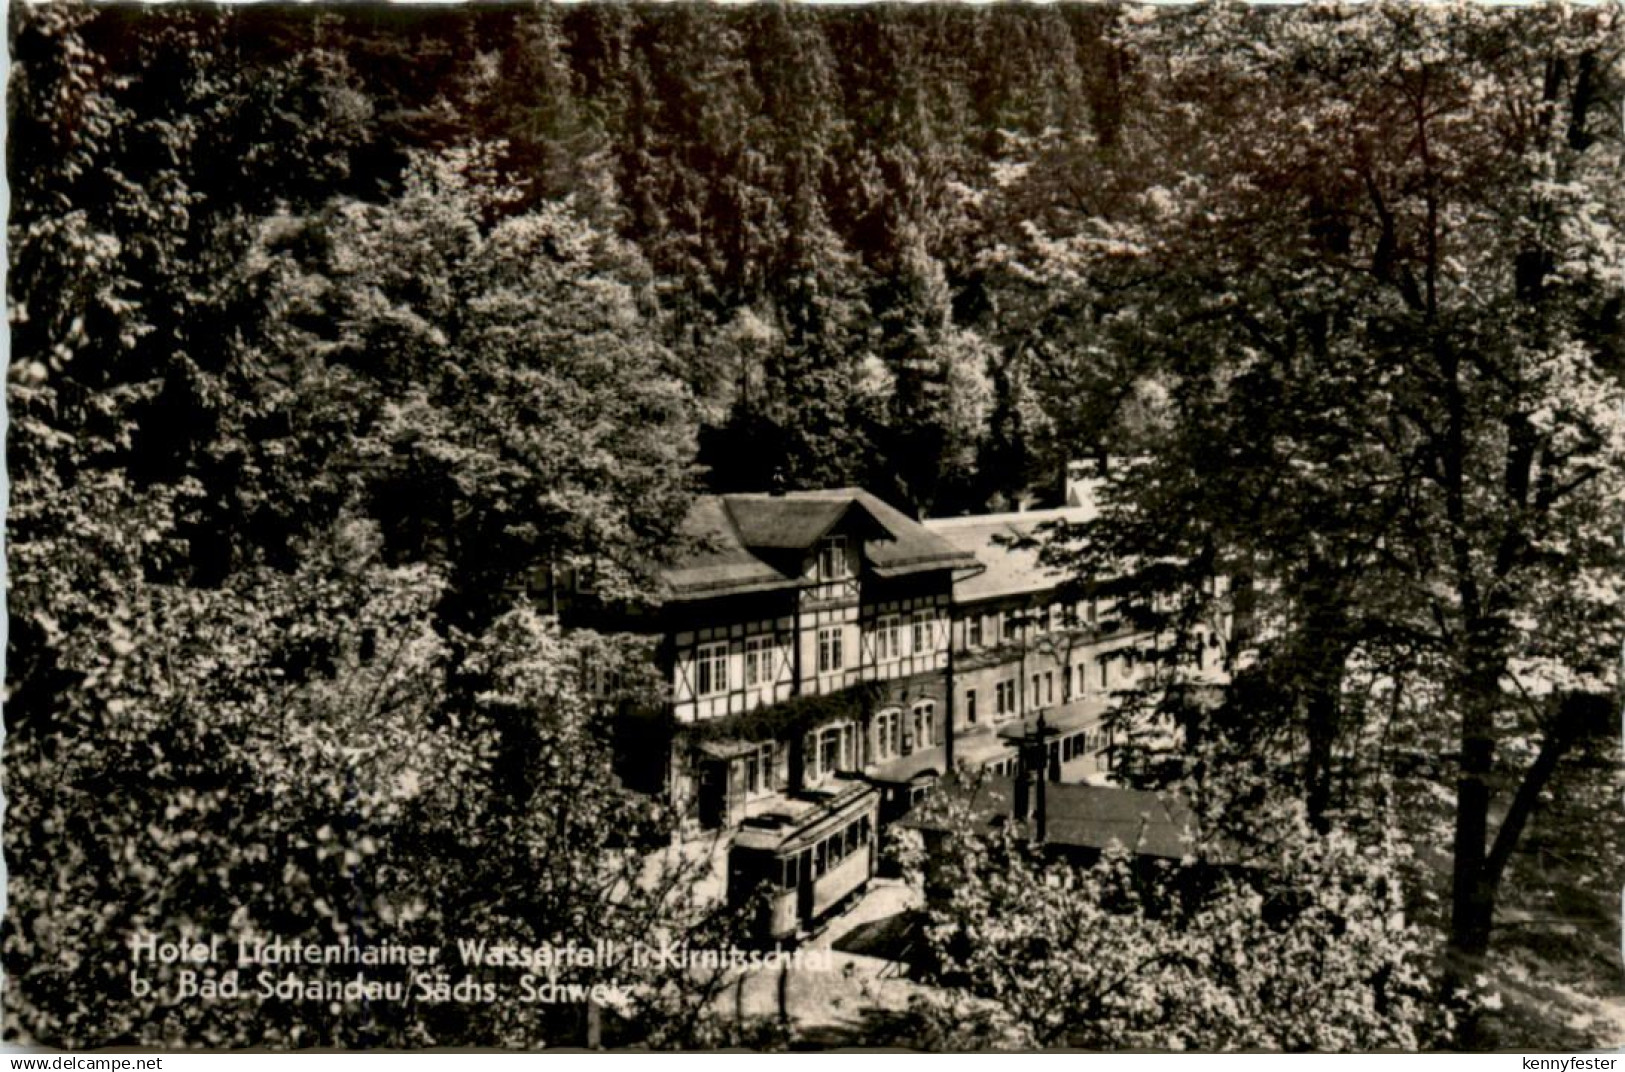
pixel 718 562
pixel 783 522
pixel 740 537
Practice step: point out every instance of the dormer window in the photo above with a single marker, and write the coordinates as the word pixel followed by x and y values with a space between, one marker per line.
pixel 832 559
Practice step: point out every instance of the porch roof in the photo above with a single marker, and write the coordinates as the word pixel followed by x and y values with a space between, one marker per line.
pixel 972 749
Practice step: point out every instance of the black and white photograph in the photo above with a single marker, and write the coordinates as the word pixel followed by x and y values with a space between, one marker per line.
pixel 933 527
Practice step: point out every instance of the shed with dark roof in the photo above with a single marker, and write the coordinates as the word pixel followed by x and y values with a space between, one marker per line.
pixel 1079 818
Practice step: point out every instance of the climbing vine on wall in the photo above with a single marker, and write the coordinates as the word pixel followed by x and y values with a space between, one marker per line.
pixel 789 719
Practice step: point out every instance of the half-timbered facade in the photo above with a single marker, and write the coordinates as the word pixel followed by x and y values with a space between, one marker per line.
pixel 819 636
pixel 807 640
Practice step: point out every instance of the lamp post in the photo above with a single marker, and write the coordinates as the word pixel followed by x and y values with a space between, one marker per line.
pixel 1047 646
pixel 1041 801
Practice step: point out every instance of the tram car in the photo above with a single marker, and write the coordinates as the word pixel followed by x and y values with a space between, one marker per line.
pixel 813 851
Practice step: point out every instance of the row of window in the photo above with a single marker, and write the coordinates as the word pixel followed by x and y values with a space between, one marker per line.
pixel 760 653
pixel 711 660
pixel 836 748
pixel 828 853
pixel 889 634
pixel 711 665
pixel 1087 743
pixel 1083 743
pixel 711 668
pixel 843 746
pixel 982 630
pixel 1007 703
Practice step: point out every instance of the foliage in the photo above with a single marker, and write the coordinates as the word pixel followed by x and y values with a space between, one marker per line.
pixel 332 329
pixel 1307 949
pixel 1387 379
pixel 789 719
pixel 241 703
pixel 304 777
pixel 517 410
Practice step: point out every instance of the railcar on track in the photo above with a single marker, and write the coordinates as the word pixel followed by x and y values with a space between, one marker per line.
pixel 814 851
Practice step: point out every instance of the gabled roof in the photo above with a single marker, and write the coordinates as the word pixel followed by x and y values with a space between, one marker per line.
pixel 785 523
pixel 741 540
pixel 719 561
pixel 1084 816
pixel 1011 570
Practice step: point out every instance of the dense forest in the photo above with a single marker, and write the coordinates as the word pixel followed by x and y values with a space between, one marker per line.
pixel 331 326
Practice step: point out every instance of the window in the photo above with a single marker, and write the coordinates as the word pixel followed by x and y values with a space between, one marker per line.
pixel 1049 686
pixel 1083 679
pixel 925 717
pixel 711 669
pixel 824 752
pixel 836 851
pixel 832 559
pixel 1105 672
pixel 758 661
pixel 1066 684
pixel 888 639
pixel 829 650
pixel 829 752
pixel 970 705
pixel 1036 695
pixel 1012 626
pixel 1201 653
pixel 1004 698
pixel 973 631
pixel 887 726
pixel 920 633
pixel 759 771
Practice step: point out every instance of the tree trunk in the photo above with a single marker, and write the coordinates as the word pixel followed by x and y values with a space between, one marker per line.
pixel 1472 903
pixel 1480 867
pixel 1326 650
pixel 1472 900
pixel 1321 716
